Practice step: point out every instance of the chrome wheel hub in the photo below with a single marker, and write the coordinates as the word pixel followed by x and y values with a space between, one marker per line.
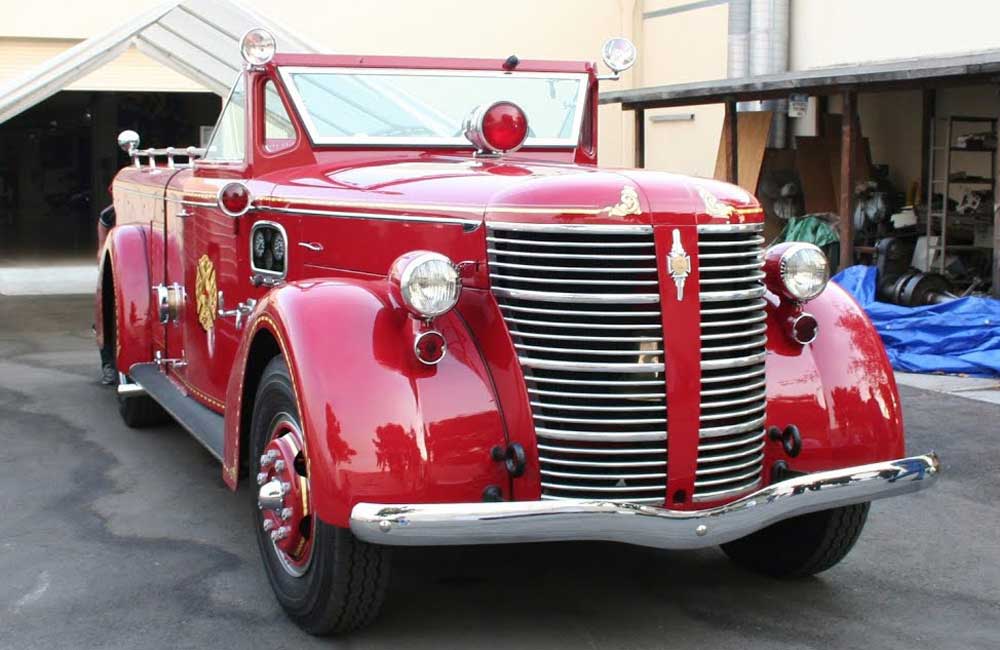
pixel 283 496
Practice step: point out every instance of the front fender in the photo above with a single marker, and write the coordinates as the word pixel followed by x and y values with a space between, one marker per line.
pixel 125 250
pixel 379 425
pixel 839 390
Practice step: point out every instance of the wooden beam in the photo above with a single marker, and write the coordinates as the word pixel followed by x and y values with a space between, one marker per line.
pixel 640 138
pixel 732 151
pixel 927 116
pixel 848 142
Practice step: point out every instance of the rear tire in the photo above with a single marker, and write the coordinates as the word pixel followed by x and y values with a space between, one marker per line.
pixel 341 584
pixel 141 411
pixel 801 546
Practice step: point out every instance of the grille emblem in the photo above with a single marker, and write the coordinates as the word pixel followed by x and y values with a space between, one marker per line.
pixel 629 203
pixel 679 264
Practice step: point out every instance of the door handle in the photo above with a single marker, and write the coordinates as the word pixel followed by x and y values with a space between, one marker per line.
pixel 313 246
pixel 183 213
pixel 242 310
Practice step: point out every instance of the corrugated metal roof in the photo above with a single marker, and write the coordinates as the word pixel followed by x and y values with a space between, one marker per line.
pixel 197 38
pixel 885 74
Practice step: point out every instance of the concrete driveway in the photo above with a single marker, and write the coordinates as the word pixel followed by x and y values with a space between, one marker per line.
pixel 114 538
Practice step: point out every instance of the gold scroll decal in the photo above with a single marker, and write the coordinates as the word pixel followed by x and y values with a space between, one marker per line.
pixel 207 292
pixel 628 204
pixel 716 208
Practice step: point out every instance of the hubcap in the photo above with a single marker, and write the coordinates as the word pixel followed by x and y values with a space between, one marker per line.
pixel 283 496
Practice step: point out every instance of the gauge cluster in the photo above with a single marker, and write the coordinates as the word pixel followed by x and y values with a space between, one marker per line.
pixel 268 249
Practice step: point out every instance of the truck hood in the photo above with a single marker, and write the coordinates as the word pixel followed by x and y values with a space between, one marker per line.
pixel 519 191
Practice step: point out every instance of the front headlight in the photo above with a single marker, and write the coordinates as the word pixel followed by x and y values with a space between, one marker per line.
pixel 426 283
pixel 804 271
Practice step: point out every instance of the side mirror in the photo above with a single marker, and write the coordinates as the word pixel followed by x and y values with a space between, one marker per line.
pixel 128 141
pixel 619 54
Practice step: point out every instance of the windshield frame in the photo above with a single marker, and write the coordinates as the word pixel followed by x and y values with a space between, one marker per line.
pixel 286 72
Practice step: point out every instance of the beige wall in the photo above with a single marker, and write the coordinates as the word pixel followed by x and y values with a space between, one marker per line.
pixel 837 32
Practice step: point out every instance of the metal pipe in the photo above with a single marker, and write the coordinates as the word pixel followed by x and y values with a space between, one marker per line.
pixel 769 35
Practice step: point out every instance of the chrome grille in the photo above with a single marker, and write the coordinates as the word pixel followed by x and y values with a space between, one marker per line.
pixel 731 440
pixel 582 305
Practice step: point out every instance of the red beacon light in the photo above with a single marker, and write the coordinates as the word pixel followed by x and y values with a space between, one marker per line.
pixel 498 128
pixel 234 199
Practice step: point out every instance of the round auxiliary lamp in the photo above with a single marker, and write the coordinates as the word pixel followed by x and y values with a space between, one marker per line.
pixel 497 128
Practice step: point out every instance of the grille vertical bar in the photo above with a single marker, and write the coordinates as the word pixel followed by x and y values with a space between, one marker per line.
pixel 582 305
pixel 733 340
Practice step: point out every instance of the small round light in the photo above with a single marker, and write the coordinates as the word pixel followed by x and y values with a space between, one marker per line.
pixel 619 54
pixel 803 328
pixel 257 46
pixel 804 271
pixel 501 127
pixel 430 347
pixel 426 283
pixel 234 199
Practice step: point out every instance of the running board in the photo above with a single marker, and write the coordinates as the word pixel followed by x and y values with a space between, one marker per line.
pixel 205 425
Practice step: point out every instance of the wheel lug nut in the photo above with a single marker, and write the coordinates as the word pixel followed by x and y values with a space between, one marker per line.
pixel 286 513
pixel 280 533
pixel 272 453
pixel 286 487
pixel 261 478
pixel 268 525
pixel 279 466
pixel 265 461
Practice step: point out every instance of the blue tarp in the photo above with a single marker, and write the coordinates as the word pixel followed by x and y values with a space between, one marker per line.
pixel 961 336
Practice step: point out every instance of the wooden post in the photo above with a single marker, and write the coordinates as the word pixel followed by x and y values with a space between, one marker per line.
pixel 929 108
pixel 640 138
pixel 848 143
pixel 996 227
pixel 732 151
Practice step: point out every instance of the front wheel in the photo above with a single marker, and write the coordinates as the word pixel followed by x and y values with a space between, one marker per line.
pixel 801 546
pixel 326 580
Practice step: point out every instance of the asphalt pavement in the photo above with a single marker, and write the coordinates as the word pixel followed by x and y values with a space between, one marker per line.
pixel 116 538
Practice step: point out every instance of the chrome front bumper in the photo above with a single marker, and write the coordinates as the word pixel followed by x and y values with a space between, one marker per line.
pixel 442 524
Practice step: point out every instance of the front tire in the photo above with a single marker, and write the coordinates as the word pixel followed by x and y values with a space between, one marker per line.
pixel 325 579
pixel 801 546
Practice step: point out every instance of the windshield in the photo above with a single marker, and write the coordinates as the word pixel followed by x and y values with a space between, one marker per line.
pixel 427 107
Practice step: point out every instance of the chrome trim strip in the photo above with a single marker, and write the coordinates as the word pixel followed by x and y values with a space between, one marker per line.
pixel 584 281
pixel 647 476
pixel 752 397
pixel 575 269
pixel 724 378
pixel 605 520
pixel 595 382
pixel 553 406
pixel 596 326
pixel 756 343
pixel 715 496
pixel 571 297
pixel 717 432
pixel 578 312
pixel 406 218
pixel 750 277
pixel 594 436
pixel 601 421
pixel 548 364
pixel 609 490
pixel 605 395
pixel 736 389
pixel 755 472
pixel 756 305
pixel 738 362
pixel 581 244
pixel 601 464
pixel 599 339
pixel 729 444
pixel 572 256
pixel 760 329
pixel 756 241
pixel 599 229
pixel 592 351
pixel 755 459
pixel 719 256
pixel 730 227
pixel 734 414
pixel 600 451
pixel 736 454
pixel 723 296
pixel 732 323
